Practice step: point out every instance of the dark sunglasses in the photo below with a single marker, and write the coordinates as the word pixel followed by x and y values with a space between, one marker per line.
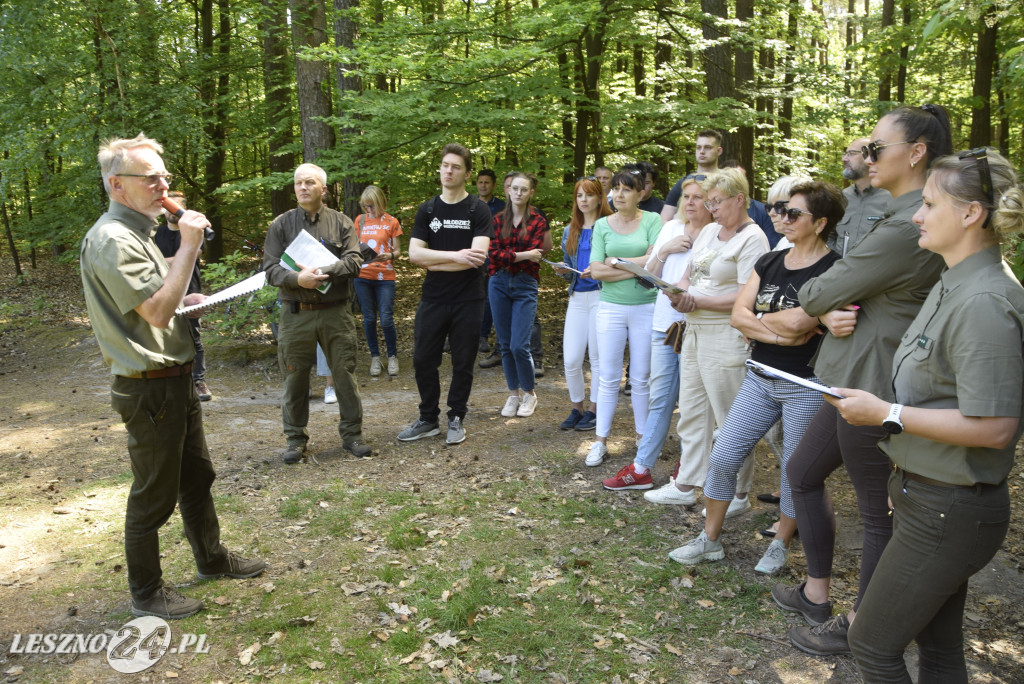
pixel 870 151
pixel 984 174
pixel 699 177
pixel 777 207
pixel 793 214
pixel 589 178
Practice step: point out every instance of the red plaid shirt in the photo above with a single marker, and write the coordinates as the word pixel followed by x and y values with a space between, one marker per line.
pixel 502 252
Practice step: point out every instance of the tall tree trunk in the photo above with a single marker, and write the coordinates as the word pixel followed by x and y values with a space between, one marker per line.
pixel 277 79
pixel 901 74
pixel 350 86
pixel 1004 116
pixel 744 85
pixel 312 77
pixel 851 37
pixel 786 113
pixel 589 52
pixel 985 62
pixel 565 78
pixel 7 229
pixel 213 90
pixel 639 73
pixel 885 73
pixel 718 68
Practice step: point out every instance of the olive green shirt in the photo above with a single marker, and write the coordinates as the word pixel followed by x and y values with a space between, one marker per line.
pixel 337 233
pixel 863 209
pixel 121 268
pixel 889 277
pixel 965 350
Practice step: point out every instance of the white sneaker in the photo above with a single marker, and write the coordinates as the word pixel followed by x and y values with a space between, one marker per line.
pixel 736 507
pixel 668 494
pixel 330 397
pixel 375 367
pixel 774 558
pixel 511 407
pixel 697 550
pixel 527 406
pixel 392 365
pixel 595 456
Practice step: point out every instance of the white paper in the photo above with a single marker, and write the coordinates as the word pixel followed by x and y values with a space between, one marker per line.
pixel 307 250
pixel 644 274
pixel 244 287
pixel 789 377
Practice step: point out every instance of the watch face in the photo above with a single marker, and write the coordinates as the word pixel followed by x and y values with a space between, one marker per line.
pixel 892 427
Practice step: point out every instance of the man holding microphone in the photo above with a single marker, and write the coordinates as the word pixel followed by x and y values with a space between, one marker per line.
pixel 131 294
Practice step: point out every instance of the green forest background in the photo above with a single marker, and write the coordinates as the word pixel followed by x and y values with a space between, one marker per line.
pixel 241 91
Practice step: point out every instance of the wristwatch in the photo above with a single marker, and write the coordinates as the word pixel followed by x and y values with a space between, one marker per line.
pixel 892 423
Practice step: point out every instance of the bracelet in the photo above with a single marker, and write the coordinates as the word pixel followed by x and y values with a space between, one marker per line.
pixel 658 258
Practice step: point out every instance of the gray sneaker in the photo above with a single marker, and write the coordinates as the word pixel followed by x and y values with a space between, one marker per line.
pixel 792 600
pixel 697 550
pixel 168 604
pixel 456 433
pixel 828 638
pixel 235 567
pixel 774 558
pixel 418 430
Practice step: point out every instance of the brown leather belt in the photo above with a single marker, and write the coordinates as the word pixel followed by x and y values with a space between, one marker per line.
pixel 318 306
pixel 168 372
pixel 929 481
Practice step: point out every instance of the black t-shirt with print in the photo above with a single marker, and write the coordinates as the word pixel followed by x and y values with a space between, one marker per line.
pixel 778 292
pixel 450 228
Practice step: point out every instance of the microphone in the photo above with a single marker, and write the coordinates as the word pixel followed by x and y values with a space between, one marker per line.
pixel 175 208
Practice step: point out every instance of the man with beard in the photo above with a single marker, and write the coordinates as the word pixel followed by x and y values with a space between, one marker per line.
pixel 865 203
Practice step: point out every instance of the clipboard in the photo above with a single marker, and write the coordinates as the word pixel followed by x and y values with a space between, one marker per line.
pixel 554 264
pixel 776 374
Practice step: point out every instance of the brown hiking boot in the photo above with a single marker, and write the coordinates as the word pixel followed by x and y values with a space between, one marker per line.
pixel 168 604
pixel 203 391
pixel 235 567
pixel 828 638
pixel 793 600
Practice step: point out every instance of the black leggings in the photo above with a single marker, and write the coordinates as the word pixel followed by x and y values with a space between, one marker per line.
pixel 828 443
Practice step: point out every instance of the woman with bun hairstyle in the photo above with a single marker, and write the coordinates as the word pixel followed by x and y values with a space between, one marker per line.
pixel 579 337
pixel 866 300
pixel 952 427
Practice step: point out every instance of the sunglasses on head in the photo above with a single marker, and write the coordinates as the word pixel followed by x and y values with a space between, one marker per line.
pixel 589 178
pixel 870 151
pixel 777 207
pixel 980 154
pixel 699 177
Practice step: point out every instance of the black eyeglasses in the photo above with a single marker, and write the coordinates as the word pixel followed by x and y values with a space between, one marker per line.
pixel 793 214
pixel 151 179
pixel 870 151
pixel 777 207
pixel 984 172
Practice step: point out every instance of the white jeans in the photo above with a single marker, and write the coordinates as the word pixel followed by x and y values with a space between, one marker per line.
pixel 580 337
pixel 615 324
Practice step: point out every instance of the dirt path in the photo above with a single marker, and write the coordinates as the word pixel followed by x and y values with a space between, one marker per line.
pixel 64 474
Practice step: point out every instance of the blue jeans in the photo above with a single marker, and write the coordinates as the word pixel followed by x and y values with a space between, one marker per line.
pixel 664 387
pixel 514 305
pixel 377 297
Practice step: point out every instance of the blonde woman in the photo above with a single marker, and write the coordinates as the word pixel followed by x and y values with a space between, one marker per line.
pixel 375 286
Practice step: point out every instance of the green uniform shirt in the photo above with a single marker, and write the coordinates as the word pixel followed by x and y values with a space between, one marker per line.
pixel 889 277
pixel 122 268
pixel 965 350
pixel 337 233
pixel 863 209
pixel 606 242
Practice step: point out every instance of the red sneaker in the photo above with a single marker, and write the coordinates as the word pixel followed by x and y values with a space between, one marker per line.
pixel 627 478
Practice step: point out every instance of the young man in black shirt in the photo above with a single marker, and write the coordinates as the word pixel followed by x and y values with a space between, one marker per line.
pixel 450 239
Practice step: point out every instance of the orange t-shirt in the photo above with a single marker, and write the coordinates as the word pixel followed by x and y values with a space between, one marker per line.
pixel 382 235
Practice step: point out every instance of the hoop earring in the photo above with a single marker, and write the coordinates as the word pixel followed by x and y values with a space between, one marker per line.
pixel 913 164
